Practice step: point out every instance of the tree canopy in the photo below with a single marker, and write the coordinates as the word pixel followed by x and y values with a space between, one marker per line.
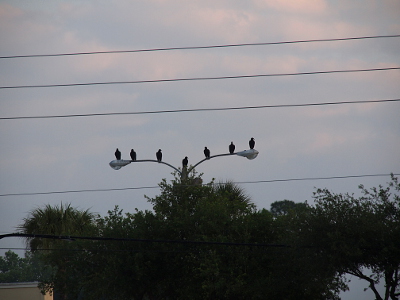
pixel 360 233
pixel 62 256
pixel 209 241
pixel 14 268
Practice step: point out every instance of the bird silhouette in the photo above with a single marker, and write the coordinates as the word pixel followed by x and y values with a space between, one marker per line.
pixel 185 161
pixel 206 152
pixel 133 155
pixel 231 148
pixel 159 155
pixel 252 143
pixel 117 154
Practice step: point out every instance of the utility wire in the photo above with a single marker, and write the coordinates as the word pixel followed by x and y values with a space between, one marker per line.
pixel 80 191
pixel 201 47
pixel 239 182
pixel 199 109
pixel 152 241
pixel 197 78
pixel 313 178
pixel 97 250
pixel 91 238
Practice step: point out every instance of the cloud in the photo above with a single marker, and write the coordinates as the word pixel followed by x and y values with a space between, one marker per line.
pixel 8 12
pixel 298 7
pixel 22 29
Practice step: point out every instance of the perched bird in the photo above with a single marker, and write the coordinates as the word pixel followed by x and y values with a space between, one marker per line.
pixel 117 154
pixel 206 152
pixel 133 155
pixel 231 148
pixel 185 161
pixel 159 155
pixel 252 143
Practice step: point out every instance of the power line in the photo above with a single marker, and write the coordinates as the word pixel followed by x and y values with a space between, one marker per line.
pixel 79 191
pixel 91 238
pixel 152 241
pixel 200 47
pixel 154 187
pixel 313 178
pixel 198 109
pixel 97 250
pixel 197 78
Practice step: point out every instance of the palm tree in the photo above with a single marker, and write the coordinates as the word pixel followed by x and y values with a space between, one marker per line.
pixel 55 220
pixel 62 220
pixel 237 199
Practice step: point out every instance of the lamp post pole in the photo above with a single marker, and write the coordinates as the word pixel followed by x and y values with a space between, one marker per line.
pixel 118 164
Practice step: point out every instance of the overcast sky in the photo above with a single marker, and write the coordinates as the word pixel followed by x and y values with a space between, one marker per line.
pixel 72 153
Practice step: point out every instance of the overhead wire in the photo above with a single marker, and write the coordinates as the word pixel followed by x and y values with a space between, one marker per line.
pixel 200 47
pixel 92 238
pixel 97 250
pixel 154 187
pixel 198 109
pixel 197 78
pixel 151 241
pixel 315 178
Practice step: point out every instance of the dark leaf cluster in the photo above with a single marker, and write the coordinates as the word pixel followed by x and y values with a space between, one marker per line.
pixel 209 241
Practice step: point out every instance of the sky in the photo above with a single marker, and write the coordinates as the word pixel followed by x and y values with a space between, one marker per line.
pixel 42 155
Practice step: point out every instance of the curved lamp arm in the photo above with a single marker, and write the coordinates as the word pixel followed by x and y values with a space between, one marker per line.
pixel 192 167
pixel 118 164
pixel 249 154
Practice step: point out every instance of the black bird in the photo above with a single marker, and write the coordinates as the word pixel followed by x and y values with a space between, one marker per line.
pixel 185 161
pixel 206 152
pixel 159 155
pixel 252 143
pixel 117 154
pixel 231 148
pixel 133 155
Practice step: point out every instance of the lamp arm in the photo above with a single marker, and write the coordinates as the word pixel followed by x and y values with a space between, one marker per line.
pixel 212 156
pixel 156 161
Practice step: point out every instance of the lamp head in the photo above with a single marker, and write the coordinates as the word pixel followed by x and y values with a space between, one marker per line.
pixel 249 154
pixel 118 164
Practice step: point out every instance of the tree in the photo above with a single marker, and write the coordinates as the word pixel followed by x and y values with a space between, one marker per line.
pixel 279 208
pixel 299 271
pixel 359 233
pixel 14 268
pixel 187 220
pixel 62 220
pixel 205 242
pixel 210 242
pixel 55 220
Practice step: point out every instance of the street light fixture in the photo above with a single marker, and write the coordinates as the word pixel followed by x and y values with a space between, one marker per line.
pixel 118 164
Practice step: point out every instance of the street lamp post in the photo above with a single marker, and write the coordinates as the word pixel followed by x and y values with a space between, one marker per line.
pixel 118 164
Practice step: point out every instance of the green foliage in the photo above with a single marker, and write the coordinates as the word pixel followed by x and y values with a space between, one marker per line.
pixel 300 271
pixel 210 242
pixel 14 268
pixel 284 207
pixel 64 257
pixel 55 220
pixel 186 260
pixel 171 268
pixel 358 233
